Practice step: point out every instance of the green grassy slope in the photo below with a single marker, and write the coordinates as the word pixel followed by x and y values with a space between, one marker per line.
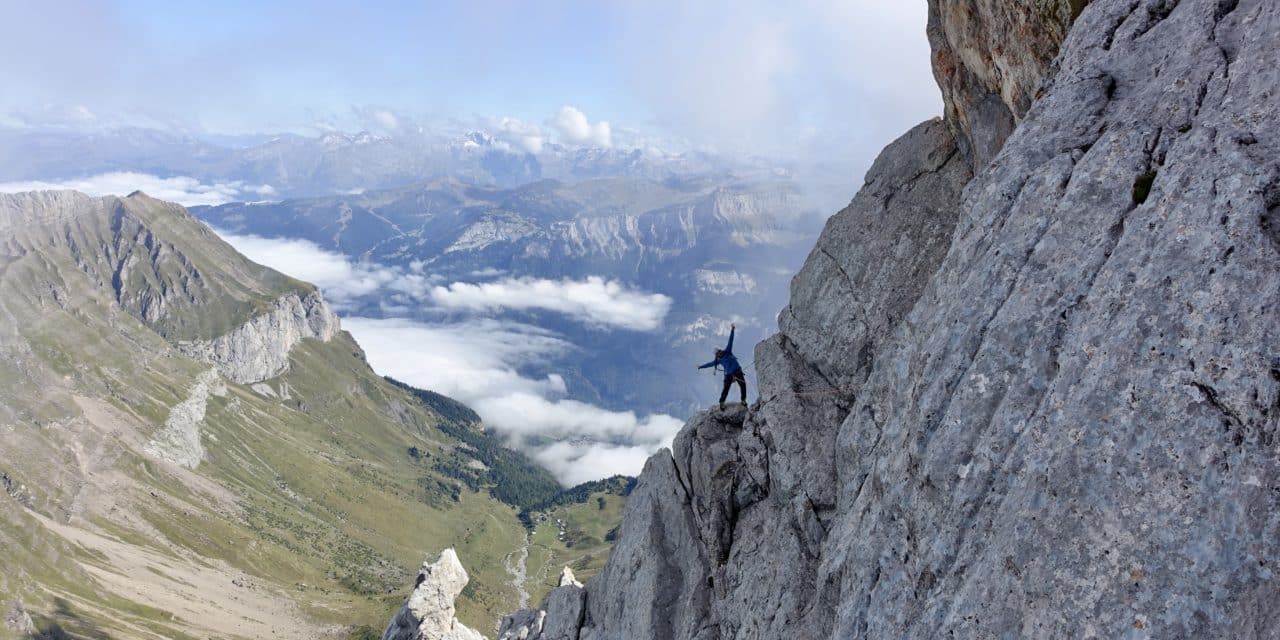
pixel 316 500
pixel 575 529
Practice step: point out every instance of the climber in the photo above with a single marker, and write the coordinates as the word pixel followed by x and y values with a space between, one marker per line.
pixel 732 370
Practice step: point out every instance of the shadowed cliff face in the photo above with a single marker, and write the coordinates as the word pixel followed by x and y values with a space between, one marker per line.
pixel 1038 400
pixel 990 58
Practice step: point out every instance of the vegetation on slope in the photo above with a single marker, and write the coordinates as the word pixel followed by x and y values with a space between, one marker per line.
pixel 509 476
pixel 319 492
pixel 306 511
pixel 577 534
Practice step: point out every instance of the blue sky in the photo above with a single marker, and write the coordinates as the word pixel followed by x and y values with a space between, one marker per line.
pixel 744 76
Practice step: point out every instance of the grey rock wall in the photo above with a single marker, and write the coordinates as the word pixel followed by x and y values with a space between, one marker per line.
pixel 259 349
pixel 1038 401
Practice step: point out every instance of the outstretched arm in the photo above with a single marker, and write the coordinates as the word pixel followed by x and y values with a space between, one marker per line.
pixel 729 347
pixel 709 364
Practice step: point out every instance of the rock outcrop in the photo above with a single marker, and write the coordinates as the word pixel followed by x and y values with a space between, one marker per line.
pixel 568 600
pixel 428 613
pixel 1028 383
pixel 259 349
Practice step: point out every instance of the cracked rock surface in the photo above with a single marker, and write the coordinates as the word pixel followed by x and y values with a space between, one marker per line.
pixel 1032 391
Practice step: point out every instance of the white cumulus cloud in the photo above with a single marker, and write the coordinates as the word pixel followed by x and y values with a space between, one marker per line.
pixel 594 300
pixel 184 190
pixel 574 128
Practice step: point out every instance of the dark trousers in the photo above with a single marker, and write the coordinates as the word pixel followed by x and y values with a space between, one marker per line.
pixel 729 379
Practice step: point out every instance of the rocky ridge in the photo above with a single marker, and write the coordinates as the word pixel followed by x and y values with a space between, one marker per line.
pixel 154 258
pixel 428 613
pixel 1028 383
pixel 259 349
pixel 532 624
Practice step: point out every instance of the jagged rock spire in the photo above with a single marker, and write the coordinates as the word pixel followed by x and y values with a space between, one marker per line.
pixel 428 613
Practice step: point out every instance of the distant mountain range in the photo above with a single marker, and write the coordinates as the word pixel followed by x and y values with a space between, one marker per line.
pixel 718 237
pixel 298 166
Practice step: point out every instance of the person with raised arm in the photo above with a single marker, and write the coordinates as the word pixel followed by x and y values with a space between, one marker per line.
pixel 732 370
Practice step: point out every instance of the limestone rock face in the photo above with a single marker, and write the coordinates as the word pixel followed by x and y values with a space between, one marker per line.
pixel 567 579
pixel 259 349
pixel 655 584
pixel 428 613
pixel 525 624
pixel 1032 395
pixel 568 600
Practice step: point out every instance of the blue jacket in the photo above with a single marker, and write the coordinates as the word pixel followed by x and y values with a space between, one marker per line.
pixel 726 360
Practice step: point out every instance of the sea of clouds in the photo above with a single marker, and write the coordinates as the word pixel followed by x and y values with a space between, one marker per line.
pixel 477 359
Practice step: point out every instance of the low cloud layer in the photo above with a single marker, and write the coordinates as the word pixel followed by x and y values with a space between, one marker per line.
pixel 183 190
pixel 595 300
pixel 478 363
pixel 341 279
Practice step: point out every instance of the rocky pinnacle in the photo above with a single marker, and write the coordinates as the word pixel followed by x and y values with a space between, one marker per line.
pixel 428 613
